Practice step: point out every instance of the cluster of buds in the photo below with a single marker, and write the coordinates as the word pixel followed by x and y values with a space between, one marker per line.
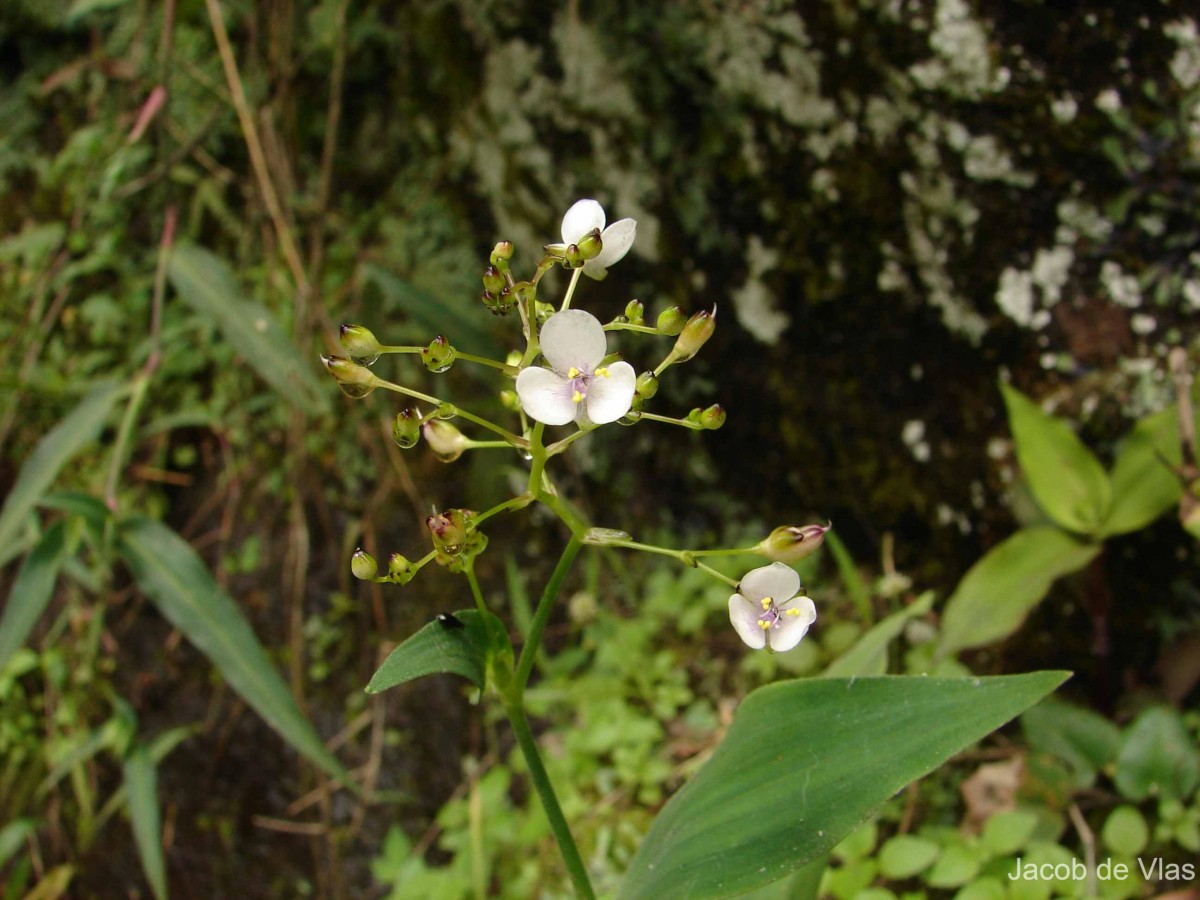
pixel 363 567
pixel 456 541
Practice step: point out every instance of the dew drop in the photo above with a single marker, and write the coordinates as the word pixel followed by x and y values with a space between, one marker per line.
pixel 406 442
pixel 436 369
pixel 356 391
pixel 366 360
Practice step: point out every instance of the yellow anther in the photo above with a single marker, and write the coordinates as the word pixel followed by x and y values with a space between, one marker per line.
pixel 792 612
pixel 602 371
pixel 766 602
pixel 577 397
pixel 764 624
pixel 573 373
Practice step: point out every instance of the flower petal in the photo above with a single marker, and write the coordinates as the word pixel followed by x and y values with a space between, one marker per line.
pixel 777 581
pixel 573 338
pixel 610 396
pixel 580 219
pixel 793 628
pixel 546 396
pixel 617 238
pixel 744 618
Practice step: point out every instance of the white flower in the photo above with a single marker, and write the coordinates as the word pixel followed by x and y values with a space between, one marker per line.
pixel 616 239
pixel 576 387
pixel 767 610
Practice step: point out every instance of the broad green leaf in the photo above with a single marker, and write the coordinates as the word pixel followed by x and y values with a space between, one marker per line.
pixel 208 285
pixel 803 884
pixel 170 573
pixel 1008 831
pixel 1083 739
pixel 869 655
pixel 1066 479
pixel 805 762
pixel 1125 831
pixel 458 644
pixel 31 591
pixel 1158 758
pixel 998 592
pixel 1144 484
pixel 141 783
pixel 53 451
pixel 905 855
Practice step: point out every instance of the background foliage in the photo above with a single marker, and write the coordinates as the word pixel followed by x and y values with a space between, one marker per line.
pixel 893 204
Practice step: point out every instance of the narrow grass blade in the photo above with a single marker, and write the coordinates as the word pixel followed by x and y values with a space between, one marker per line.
pixel 31 591
pixel 141 782
pixel 168 570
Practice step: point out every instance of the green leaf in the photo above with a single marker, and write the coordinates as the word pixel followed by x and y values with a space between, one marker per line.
pixel 12 836
pixel 869 655
pixel 1125 831
pixel 170 573
pixel 31 591
pixel 441 647
pixel 1083 739
pixel 53 451
pixel 805 762
pixel 1144 486
pixel 1157 757
pixel 1008 831
pixel 998 592
pixel 905 855
pixel 141 783
pixel 803 884
pixel 81 8
pixel 208 285
pixel 850 577
pixel 1066 479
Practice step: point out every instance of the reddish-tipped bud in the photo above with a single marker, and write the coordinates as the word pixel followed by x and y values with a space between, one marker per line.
pixel 360 344
pixel 493 280
pixel 791 543
pixel 406 428
pixel 502 252
pixel 695 334
pixel 399 568
pixel 438 356
pixel 713 417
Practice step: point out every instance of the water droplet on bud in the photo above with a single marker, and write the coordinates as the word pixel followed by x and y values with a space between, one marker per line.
pixel 356 391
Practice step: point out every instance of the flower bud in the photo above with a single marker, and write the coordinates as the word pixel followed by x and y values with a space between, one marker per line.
pixel 510 400
pixel 493 280
pixel 355 381
pixel 360 344
pixel 399 568
pixel 713 417
pixel 448 530
pixel 590 244
pixel 406 428
pixel 444 439
pixel 572 256
pixel 362 565
pixel 791 543
pixel 670 321
pixel 695 334
pixel 635 312
pixel 502 252
pixel 647 385
pixel 438 356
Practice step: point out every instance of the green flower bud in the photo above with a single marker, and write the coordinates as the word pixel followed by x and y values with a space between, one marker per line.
pixel 713 417
pixel 406 428
pixel 510 401
pixel 572 257
pixel 444 439
pixel 355 381
pixel 360 344
pixel 647 385
pixel 791 543
pixel 438 356
pixel 590 244
pixel 362 565
pixel 454 538
pixel 635 312
pixel 502 253
pixel 493 280
pixel 399 568
pixel 693 417
pixel 695 334
pixel 671 321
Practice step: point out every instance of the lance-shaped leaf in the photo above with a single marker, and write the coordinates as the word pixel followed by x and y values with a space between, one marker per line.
pixel 1144 482
pixel 803 764
pixel 1066 479
pixel 460 643
pixel 171 574
pixel 868 656
pixel 208 285
pixel 52 452
pixel 31 591
pixel 998 592
pixel 1158 757
pixel 141 782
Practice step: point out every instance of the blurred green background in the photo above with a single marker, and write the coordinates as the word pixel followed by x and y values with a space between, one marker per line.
pixel 894 205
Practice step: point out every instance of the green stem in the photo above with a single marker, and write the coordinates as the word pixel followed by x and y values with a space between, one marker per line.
pixel 541 616
pixel 545 791
pixel 141 381
pixel 629 326
pixel 508 436
pixel 559 446
pixel 566 304
pixel 476 592
pixel 687 557
pixel 654 417
pixel 518 502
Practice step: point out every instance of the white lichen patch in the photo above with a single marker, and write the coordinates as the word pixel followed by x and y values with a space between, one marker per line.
pixel 1109 101
pixel 1185 63
pixel 753 302
pixel 962 65
pixel 1064 108
pixel 1014 296
pixel 1120 286
pixel 913 435
pixel 1050 271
